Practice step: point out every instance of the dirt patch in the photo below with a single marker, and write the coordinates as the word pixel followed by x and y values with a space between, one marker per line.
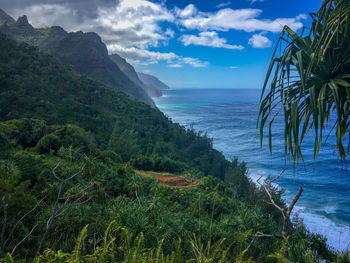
pixel 169 179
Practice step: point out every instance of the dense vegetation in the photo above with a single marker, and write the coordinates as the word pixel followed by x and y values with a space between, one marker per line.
pixel 70 191
pixel 85 52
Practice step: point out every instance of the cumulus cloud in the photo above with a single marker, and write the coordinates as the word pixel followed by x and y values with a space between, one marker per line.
pixel 129 27
pixel 237 19
pixel 137 18
pixel 209 39
pixel 259 41
pixel 189 11
pixel 145 57
pixel 133 27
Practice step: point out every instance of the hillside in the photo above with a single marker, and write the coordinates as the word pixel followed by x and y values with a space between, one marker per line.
pixel 34 85
pixel 52 116
pixel 129 71
pixel 84 51
pixel 152 80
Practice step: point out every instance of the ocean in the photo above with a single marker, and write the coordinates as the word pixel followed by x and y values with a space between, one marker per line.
pixel 229 117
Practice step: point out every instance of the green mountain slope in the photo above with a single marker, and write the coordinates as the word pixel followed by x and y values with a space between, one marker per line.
pixel 131 73
pixel 34 85
pixel 5 18
pixel 84 51
pixel 152 80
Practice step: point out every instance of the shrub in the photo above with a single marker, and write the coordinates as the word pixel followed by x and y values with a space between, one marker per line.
pixel 48 143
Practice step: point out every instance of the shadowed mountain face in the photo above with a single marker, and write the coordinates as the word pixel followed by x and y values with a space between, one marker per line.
pixel 5 18
pixel 84 51
pixel 131 73
pixel 152 80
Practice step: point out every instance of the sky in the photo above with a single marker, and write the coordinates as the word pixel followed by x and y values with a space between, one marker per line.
pixel 186 44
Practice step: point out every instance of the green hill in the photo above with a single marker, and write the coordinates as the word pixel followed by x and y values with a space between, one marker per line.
pixel 35 85
pixel 84 51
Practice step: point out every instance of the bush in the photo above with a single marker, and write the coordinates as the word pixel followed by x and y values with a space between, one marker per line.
pixel 6 148
pixel 48 143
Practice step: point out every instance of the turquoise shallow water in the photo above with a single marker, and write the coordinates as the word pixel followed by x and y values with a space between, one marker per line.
pixel 229 117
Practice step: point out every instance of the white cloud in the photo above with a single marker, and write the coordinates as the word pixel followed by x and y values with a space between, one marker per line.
pixel 188 11
pixel 237 19
pixel 45 15
pixel 234 67
pixel 259 41
pixel 129 27
pixel 195 62
pixel 209 39
pixel 169 32
pixel 254 1
pixel 175 66
pixel 128 22
pixel 223 4
pixel 132 27
pixel 134 23
pixel 145 57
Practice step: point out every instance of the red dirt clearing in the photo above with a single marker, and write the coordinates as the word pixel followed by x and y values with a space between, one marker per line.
pixel 169 179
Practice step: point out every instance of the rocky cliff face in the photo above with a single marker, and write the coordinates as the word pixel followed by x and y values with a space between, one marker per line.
pixel 129 70
pixel 152 80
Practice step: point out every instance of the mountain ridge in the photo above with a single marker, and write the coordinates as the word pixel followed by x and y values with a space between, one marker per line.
pixel 84 51
pixel 152 80
pixel 129 71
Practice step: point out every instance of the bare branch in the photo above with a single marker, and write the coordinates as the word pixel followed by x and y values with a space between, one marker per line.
pixel 74 175
pixel 20 242
pixel 268 192
pixel 20 220
pixel 54 172
pixel 286 214
pixel 260 234
pixel 56 212
pixel 276 178
pixel 73 195
pixel 294 201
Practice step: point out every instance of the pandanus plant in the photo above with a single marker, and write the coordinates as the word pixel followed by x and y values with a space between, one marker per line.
pixel 308 81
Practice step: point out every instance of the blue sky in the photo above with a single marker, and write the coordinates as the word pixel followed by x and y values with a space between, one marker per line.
pixel 187 44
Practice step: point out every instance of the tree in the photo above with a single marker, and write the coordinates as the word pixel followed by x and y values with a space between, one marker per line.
pixel 311 80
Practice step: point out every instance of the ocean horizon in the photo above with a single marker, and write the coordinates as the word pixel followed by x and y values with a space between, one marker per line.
pixel 229 116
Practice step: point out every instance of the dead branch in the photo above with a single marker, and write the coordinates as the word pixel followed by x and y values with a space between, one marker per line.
pixel 19 221
pixel 20 242
pixel 57 212
pixel 267 186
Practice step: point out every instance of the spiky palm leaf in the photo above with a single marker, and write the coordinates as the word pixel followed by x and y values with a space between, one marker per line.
pixel 311 80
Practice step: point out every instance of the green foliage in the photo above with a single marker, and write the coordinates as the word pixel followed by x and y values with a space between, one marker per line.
pixel 158 164
pixel 51 114
pixel 49 143
pixel 311 80
pixel 89 113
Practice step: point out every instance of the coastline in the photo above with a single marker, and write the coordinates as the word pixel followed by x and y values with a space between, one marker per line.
pixel 337 234
pixel 182 107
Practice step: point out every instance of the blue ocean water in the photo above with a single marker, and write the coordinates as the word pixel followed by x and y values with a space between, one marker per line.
pixel 229 117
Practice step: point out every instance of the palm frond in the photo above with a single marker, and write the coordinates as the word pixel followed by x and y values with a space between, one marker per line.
pixel 310 80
